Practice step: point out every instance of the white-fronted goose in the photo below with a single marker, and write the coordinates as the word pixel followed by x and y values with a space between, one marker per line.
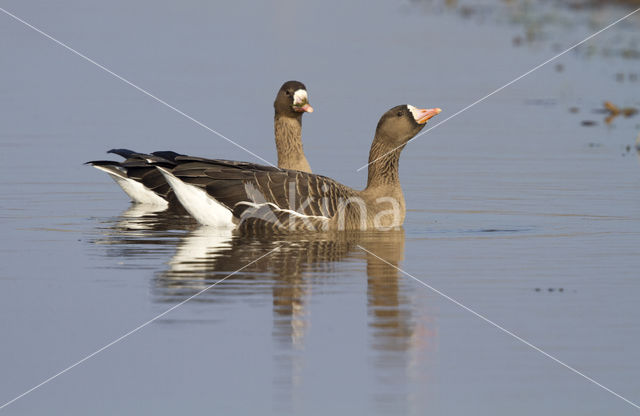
pixel 230 194
pixel 144 184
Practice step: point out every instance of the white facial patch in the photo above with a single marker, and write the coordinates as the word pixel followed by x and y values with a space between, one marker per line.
pixel 414 111
pixel 300 97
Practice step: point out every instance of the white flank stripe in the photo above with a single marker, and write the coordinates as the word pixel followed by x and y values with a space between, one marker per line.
pixel 136 191
pixel 288 211
pixel 204 208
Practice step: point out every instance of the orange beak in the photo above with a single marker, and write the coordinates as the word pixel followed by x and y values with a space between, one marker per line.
pixel 423 115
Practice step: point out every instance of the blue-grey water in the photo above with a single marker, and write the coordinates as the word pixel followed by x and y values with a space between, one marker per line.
pixel 525 208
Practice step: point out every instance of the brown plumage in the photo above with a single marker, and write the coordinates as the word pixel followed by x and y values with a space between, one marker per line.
pixel 290 103
pixel 285 200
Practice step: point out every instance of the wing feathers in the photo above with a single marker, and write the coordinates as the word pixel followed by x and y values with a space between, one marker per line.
pixel 261 194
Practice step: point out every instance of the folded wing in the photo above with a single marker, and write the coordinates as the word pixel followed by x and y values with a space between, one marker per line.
pixel 264 196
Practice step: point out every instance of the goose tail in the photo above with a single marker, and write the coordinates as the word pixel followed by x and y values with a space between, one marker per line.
pixel 203 207
pixel 136 190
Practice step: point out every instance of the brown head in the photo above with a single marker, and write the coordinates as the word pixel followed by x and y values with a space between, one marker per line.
pixel 395 128
pixel 292 100
pixel 401 123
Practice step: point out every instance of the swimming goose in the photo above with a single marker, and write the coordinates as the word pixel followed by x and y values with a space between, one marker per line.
pixel 144 184
pixel 247 195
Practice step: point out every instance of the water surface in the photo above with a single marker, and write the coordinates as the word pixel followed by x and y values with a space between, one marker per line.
pixel 516 209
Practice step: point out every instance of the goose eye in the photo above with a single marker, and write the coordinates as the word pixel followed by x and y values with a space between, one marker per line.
pixel 399 114
pixel 288 93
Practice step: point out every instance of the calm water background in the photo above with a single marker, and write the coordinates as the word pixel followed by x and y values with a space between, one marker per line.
pixel 516 209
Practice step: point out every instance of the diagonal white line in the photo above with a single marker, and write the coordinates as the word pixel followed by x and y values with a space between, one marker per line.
pixel 136 329
pixel 142 90
pixel 506 331
pixel 505 85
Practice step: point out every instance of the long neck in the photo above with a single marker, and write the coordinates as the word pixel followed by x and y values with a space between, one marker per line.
pixel 288 132
pixel 383 165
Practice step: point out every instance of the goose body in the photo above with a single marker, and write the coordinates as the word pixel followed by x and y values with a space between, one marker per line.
pixel 249 195
pixel 246 195
pixel 144 184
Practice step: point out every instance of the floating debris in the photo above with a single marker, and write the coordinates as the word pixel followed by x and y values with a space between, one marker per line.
pixel 545 20
pixel 550 289
pixel 614 111
pixel 631 77
pixel 574 110
pixel 630 54
pixel 467 11
pixel 610 107
pixel 589 123
pixel 546 102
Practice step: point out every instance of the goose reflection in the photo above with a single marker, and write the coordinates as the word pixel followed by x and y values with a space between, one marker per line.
pixel 387 305
pixel 205 255
pixel 141 231
pixel 399 334
pixel 288 276
pixel 139 219
pixel 402 332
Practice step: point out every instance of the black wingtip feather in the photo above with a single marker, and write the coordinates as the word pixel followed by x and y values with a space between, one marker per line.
pixel 167 154
pixel 125 153
pixel 102 163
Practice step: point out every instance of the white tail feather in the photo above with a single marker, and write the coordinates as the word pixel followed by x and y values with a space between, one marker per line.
pixel 204 208
pixel 136 191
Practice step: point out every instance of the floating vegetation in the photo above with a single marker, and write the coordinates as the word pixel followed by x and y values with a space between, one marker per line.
pixel 557 25
pixel 549 289
pixel 610 110
pixel 631 77
pixel 614 111
pixel 546 20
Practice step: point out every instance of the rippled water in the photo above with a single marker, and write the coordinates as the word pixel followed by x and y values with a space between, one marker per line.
pixel 517 209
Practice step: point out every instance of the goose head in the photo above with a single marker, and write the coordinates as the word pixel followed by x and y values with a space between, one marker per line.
pixel 292 99
pixel 401 123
